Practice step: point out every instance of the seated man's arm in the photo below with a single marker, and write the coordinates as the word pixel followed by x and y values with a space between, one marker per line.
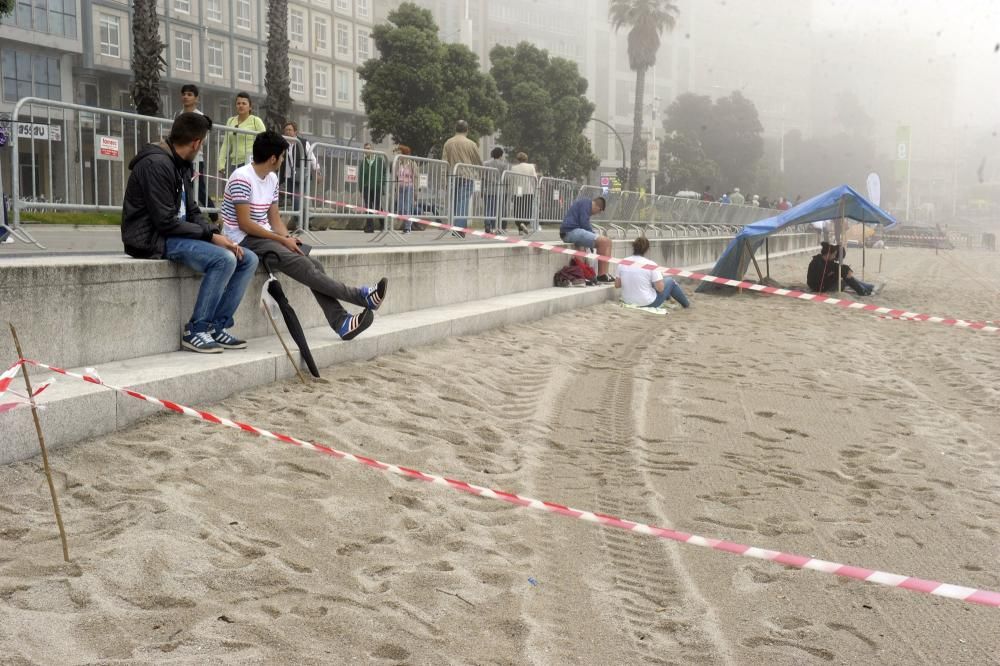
pixel 251 228
pixel 158 179
pixel 658 285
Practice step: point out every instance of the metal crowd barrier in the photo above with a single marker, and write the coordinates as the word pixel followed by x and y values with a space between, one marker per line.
pixel 352 176
pixel 469 185
pixel 555 196
pixel 418 187
pixel 518 203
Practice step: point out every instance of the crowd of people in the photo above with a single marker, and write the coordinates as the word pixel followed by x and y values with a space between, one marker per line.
pixel 162 218
pixel 736 198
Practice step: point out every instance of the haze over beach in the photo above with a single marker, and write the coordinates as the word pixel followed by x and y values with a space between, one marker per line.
pixel 771 422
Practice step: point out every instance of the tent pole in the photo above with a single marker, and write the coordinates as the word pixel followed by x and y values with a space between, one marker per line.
pixel 840 259
pixel 863 256
pixel 767 255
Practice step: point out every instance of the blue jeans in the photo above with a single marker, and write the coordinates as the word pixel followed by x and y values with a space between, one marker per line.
pixel 404 204
pixel 223 285
pixel 460 206
pixel 580 237
pixel 670 289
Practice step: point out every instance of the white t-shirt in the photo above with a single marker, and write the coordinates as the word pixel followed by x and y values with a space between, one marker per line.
pixel 637 282
pixel 244 187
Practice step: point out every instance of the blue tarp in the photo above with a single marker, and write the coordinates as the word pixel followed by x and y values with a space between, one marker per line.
pixel 839 202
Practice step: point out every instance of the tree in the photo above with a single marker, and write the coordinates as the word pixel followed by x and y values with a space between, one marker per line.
pixel 646 20
pixel 278 106
pixel 418 88
pixel 6 7
pixel 683 160
pixel 734 140
pixel 546 111
pixel 147 63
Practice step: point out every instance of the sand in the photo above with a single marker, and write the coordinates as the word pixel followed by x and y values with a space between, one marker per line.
pixel 782 424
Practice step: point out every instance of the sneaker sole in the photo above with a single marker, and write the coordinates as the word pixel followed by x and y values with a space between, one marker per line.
pixel 241 345
pixel 201 350
pixel 366 320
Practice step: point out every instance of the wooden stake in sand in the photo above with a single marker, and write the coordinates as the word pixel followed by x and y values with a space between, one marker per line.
pixel 41 443
pixel 274 325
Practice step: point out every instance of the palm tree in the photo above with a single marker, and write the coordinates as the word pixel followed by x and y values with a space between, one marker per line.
pixel 146 60
pixel 646 20
pixel 276 78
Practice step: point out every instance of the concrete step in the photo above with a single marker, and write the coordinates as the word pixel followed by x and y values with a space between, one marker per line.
pixel 75 410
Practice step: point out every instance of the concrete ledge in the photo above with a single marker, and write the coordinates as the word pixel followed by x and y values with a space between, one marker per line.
pixel 75 410
pixel 76 311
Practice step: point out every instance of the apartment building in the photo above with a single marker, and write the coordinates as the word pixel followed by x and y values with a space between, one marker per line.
pixel 221 45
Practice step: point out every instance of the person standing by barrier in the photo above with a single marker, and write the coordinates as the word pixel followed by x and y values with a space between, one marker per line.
pixel 300 165
pixel 371 180
pixel 524 188
pixel 492 190
pixel 406 176
pixel 577 230
pixel 189 104
pixel 250 216
pixel 645 287
pixel 236 149
pixel 737 198
pixel 161 220
pixel 460 149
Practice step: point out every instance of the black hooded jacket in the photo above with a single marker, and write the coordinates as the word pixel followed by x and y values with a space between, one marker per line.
pixel 153 199
pixel 822 274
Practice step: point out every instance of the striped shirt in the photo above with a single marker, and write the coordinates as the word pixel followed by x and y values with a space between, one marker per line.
pixel 245 187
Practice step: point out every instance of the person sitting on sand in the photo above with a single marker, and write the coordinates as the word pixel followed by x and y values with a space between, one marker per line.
pixel 646 287
pixel 823 269
pixel 250 215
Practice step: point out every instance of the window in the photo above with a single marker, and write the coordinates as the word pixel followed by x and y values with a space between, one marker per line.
pixel 306 124
pixel 343 40
pixel 213 10
pixel 182 51
pixel 320 83
pixel 215 58
pixel 296 25
pixel 343 86
pixel 243 14
pixel 364 52
pixel 182 6
pixel 110 36
pixel 329 127
pixel 244 64
pixel 52 17
pixel 364 9
pixel 25 75
pixel 343 6
pixel 320 37
pixel 297 77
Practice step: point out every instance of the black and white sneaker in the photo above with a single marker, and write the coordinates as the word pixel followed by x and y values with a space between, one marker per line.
pixel 201 343
pixel 375 295
pixel 605 278
pixel 354 325
pixel 227 340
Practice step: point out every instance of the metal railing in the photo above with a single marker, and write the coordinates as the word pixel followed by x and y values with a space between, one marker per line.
pixel 72 157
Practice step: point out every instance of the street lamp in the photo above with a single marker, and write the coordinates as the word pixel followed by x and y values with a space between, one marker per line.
pixel 617 136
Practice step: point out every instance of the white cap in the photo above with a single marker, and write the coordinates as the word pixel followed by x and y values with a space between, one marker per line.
pixel 736 189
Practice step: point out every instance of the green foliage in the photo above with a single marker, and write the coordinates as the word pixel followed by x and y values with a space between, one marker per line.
pixel 277 81
pixel 147 64
pixel 418 88
pixel 7 7
pixel 645 21
pixel 717 144
pixel 546 109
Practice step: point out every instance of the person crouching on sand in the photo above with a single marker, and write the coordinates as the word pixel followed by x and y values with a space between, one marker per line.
pixel 646 287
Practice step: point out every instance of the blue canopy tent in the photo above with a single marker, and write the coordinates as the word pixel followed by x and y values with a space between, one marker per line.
pixel 839 202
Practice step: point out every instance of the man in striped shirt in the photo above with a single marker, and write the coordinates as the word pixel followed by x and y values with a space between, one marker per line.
pixel 250 218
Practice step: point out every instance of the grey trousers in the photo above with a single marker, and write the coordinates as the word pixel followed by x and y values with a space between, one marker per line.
pixel 308 271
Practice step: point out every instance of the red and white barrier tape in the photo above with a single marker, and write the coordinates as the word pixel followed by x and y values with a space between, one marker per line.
pixel 703 277
pixel 8 376
pixel 968 594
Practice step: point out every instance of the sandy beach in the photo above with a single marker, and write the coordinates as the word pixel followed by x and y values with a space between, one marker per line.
pixel 772 422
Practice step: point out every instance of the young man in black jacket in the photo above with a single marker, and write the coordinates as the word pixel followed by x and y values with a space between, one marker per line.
pixel 161 220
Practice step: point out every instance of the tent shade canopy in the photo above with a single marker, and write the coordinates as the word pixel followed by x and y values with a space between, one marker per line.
pixel 843 201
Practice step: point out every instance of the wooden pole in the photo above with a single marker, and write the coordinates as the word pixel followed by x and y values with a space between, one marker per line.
pixel 754 260
pixel 767 255
pixel 274 325
pixel 41 443
pixel 840 259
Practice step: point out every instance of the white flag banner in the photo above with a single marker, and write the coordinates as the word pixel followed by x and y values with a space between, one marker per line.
pixel 874 189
